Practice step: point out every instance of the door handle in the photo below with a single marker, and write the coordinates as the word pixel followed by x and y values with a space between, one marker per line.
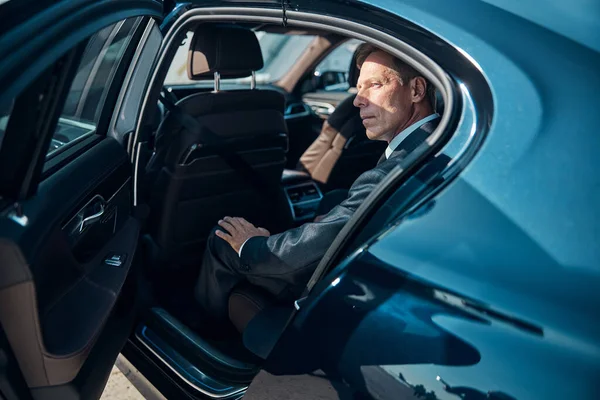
pixel 88 220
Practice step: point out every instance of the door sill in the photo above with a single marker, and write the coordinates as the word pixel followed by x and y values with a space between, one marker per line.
pixel 189 373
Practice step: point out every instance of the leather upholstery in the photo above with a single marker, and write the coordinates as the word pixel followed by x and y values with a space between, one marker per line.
pixel 232 51
pixel 194 186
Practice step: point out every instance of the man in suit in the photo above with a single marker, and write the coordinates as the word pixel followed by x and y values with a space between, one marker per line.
pixel 396 105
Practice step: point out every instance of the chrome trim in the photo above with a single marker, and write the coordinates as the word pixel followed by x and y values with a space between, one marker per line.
pixel 184 160
pixel 183 330
pixel 217 81
pixel 253 81
pixel 329 108
pixel 81 209
pixel 114 261
pixel 78 124
pixel 119 189
pixel 98 196
pixel 136 166
pixel 297 303
pixel 92 219
pixel 132 66
pixel 186 372
pixel 92 130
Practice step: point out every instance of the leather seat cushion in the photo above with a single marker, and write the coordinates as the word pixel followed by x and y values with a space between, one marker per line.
pixel 245 302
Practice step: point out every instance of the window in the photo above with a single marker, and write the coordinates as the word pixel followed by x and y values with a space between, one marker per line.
pixel 334 68
pixel 92 81
pixel 279 52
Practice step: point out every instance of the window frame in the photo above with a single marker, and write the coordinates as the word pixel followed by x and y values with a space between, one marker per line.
pixel 64 154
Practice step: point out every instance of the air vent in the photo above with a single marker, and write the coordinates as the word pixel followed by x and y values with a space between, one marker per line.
pixel 304 200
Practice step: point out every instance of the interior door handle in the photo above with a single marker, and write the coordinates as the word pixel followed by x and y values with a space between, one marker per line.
pixel 88 220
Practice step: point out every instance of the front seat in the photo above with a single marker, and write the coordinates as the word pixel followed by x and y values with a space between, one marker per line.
pixel 194 187
pixel 342 150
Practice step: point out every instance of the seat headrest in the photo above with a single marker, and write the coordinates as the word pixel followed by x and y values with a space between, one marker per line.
pixel 232 51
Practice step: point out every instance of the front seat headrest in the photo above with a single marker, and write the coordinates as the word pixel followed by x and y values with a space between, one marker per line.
pixel 231 51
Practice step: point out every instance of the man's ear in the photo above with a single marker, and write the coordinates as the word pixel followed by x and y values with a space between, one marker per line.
pixel 418 88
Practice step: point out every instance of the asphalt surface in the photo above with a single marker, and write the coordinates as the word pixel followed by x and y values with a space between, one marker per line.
pixel 125 383
pixel 119 388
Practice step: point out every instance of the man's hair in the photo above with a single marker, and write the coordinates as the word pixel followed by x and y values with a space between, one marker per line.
pixel 404 71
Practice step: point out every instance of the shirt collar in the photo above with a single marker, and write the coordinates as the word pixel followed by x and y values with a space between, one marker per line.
pixel 404 134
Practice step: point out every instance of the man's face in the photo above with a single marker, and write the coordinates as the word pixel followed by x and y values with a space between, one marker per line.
pixel 385 104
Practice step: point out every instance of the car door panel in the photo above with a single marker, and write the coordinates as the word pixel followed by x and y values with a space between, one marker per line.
pixel 68 243
pixel 57 278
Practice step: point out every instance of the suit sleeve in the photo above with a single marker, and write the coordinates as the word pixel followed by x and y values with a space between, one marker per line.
pixel 304 246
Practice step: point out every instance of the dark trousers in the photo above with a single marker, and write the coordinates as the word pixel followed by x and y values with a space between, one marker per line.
pixel 221 270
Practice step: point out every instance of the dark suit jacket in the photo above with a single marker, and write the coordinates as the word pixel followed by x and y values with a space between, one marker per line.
pixel 292 256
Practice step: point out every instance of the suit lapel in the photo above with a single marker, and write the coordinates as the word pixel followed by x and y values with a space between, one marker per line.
pixel 413 140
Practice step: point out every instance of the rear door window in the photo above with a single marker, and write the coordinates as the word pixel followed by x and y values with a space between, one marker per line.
pixel 90 86
pixel 335 66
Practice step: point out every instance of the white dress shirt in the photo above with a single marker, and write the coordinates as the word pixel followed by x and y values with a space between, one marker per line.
pixel 404 134
pixel 242 246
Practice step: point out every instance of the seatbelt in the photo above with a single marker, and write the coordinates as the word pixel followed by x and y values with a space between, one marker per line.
pixel 206 136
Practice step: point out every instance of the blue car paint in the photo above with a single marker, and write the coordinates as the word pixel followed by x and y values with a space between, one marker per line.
pixel 493 291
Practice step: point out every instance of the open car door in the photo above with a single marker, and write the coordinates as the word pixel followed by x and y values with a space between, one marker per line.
pixel 68 231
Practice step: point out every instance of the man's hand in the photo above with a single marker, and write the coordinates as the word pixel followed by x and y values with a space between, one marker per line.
pixel 239 230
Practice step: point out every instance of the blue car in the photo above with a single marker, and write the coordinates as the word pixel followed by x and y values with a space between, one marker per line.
pixel 471 272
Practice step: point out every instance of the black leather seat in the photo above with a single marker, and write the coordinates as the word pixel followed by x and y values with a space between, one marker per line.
pixel 194 187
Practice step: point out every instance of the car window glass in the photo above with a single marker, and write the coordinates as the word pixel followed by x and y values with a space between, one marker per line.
pixel 334 68
pixel 90 86
pixel 279 52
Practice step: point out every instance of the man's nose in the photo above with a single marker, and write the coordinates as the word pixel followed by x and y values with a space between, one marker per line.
pixel 359 101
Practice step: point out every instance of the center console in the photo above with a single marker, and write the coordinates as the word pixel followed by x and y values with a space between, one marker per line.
pixel 303 198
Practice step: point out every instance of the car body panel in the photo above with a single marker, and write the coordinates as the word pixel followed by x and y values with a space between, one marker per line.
pixel 492 285
pixel 489 289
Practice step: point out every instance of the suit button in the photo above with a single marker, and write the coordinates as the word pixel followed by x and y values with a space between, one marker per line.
pixel 245 267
